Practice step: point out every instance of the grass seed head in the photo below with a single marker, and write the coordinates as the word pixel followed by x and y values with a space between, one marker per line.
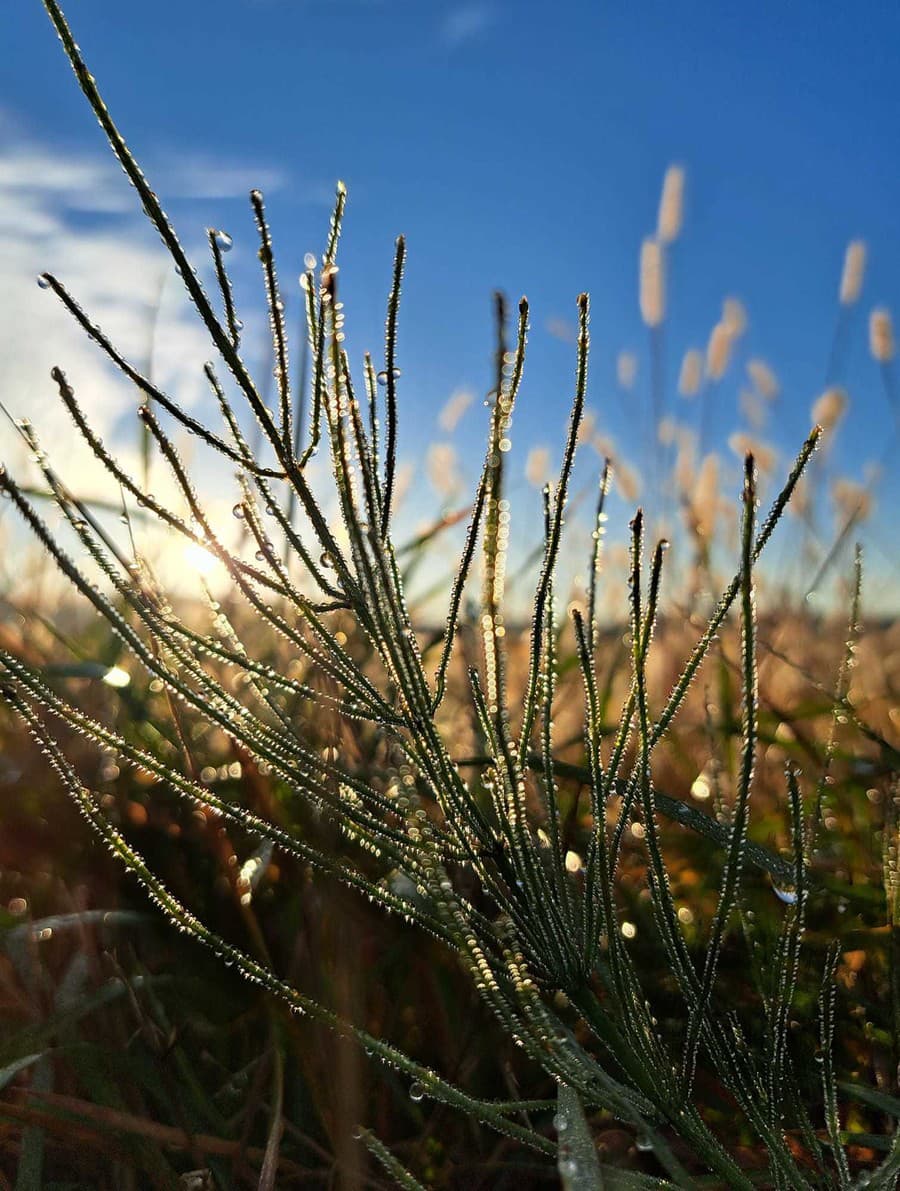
pixel 718 351
pixel 881 335
pixel 626 369
pixel 671 205
pixel 764 379
pixel 854 272
pixel 691 375
pixel 652 282
pixel 828 409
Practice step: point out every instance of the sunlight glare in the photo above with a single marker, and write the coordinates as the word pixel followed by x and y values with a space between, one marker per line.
pixel 115 676
pixel 200 559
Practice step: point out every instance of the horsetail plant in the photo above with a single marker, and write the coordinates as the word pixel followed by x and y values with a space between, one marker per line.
pixel 542 944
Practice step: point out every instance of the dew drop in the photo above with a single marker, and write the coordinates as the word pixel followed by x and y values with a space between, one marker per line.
pixel 788 896
pixel 224 241
pixel 238 511
pixel 310 260
pixel 416 1091
pixel 644 1144
pixel 42 281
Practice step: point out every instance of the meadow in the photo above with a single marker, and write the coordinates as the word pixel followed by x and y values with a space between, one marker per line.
pixel 531 872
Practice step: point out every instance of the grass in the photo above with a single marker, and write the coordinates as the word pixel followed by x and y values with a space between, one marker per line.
pixel 444 908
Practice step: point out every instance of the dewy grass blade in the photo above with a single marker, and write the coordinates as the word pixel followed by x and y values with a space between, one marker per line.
pixel 276 320
pixel 394 1167
pixel 597 550
pixel 827 999
pixel 216 244
pixel 556 525
pixel 738 836
pixel 390 385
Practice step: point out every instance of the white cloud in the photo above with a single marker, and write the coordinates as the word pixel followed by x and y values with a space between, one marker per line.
pixel 73 214
pixel 94 182
pixel 466 23
pixel 205 178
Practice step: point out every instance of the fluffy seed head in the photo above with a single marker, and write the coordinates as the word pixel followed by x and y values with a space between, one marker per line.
pixel 852 502
pixel 745 444
pixel 753 408
pixel 685 466
pixel 667 431
pixel 562 329
pixel 453 410
pixel 671 204
pixel 629 483
pixel 537 466
pixel 828 409
pixel 442 468
pixel 652 287
pixel 881 335
pixel 587 426
pixel 734 317
pixel 691 374
pixel 706 496
pixel 764 379
pixel 854 272
pixel 718 351
pixel 626 369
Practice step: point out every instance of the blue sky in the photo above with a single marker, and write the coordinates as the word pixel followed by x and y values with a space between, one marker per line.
pixel 518 146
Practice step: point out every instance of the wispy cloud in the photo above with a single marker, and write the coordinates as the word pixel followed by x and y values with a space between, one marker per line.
pixel 466 23
pixel 94 182
pixel 73 214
